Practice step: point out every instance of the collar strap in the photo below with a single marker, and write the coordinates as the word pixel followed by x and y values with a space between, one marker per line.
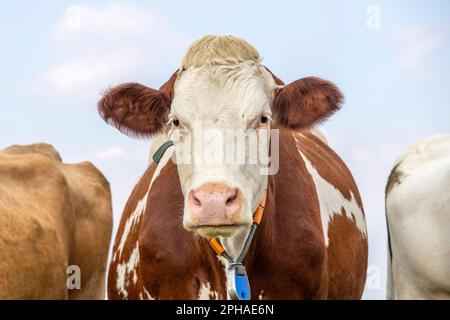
pixel 257 216
pixel 161 150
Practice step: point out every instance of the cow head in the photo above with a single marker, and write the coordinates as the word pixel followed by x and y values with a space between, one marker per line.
pixel 220 91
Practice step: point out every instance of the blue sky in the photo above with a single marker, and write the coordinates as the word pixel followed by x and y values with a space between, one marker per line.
pixel 56 58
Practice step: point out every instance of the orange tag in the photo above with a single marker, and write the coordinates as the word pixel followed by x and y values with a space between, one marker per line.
pixel 257 216
pixel 216 246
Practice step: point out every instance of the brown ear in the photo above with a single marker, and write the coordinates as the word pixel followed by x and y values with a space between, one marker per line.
pixel 135 109
pixel 168 87
pixel 306 102
pixel 277 80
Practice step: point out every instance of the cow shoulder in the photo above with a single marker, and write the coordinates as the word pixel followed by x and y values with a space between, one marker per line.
pixel 92 226
pixel 126 246
pixel 34 198
pixel 33 178
pixel 342 216
pixel 292 219
pixel 334 182
pixel 166 247
pixel 91 192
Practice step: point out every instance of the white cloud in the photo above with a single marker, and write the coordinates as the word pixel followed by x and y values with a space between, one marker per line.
pixel 100 47
pixel 110 153
pixel 415 43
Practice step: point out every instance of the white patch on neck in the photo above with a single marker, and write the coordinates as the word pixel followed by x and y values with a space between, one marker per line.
pixel 124 270
pixel 260 297
pixel 140 207
pixel 233 245
pixel 205 292
pixel 318 134
pixel 147 295
pixel 142 204
pixel 332 201
pixel 225 264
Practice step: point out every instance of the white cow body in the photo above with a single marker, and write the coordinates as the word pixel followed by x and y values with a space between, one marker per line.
pixel 418 214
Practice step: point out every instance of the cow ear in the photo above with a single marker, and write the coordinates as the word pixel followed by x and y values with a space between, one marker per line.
pixel 306 102
pixel 169 87
pixel 135 109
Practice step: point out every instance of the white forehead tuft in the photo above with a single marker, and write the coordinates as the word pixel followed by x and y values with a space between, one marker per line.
pixel 232 92
pixel 215 50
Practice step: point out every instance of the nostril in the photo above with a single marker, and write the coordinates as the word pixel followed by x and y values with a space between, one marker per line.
pixel 232 199
pixel 197 202
pixel 194 199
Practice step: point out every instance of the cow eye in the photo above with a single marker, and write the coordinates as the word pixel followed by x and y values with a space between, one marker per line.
pixel 264 119
pixel 176 122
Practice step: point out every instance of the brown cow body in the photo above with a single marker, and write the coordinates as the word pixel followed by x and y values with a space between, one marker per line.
pixel 288 258
pixel 312 241
pixel 52 215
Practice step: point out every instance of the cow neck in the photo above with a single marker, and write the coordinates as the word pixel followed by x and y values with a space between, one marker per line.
pixel 238 287
pixel 257 216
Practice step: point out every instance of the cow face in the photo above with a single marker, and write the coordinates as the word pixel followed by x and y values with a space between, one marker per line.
pixel 207 109
pixel 222 115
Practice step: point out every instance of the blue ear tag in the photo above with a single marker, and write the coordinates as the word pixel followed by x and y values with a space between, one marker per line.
pixel 238 286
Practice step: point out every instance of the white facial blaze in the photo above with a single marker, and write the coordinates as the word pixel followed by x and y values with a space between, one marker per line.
pixel 210 102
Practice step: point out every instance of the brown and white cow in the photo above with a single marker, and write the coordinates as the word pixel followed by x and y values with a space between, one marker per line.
pixel 312 240
pixel 55 226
